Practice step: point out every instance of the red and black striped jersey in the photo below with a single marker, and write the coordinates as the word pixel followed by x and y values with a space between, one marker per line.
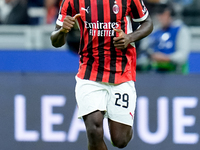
pixel 99 59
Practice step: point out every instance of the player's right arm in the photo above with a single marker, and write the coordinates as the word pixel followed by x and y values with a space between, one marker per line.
pixel 58 37
pixel 64 23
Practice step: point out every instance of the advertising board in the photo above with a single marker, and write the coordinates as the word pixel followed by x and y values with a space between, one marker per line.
pixel 38 111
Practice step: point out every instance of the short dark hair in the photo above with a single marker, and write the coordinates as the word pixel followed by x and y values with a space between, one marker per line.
pixel 161 8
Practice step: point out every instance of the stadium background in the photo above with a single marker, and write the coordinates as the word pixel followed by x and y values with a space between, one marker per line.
pixel 38 108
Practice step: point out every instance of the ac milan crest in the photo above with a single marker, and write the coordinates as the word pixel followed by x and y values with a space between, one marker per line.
pixel 115 9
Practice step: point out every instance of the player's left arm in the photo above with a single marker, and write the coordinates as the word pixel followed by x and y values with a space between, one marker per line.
pixel 145 28
pixel 122 41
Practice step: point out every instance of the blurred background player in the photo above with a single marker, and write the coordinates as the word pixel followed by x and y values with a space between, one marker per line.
pixel 168 46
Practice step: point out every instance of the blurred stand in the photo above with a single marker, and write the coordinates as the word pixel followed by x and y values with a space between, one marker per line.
pixel 52 8
pixel 41 13
pixel 27 37
pixel 14 12
pixel 191 13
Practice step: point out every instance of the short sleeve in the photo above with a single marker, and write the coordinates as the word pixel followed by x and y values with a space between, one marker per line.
pixel 66 8
pixel 138 10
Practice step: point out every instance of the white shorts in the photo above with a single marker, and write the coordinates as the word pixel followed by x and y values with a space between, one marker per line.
pixel 117 100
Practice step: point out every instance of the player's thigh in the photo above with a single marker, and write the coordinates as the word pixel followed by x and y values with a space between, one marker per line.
pixel 90 96
pixel 119 130
pixel 122 103
pixel 94 125
pixel 120 133
pixel 94 119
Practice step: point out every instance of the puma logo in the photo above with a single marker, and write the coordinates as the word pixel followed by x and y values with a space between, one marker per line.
pixel 87 10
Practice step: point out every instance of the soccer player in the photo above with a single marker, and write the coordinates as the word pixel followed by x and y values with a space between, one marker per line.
pixel 105 80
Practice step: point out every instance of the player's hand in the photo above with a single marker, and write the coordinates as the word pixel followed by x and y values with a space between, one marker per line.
pixel 160 57
pixel 68 23
pixel 122 41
